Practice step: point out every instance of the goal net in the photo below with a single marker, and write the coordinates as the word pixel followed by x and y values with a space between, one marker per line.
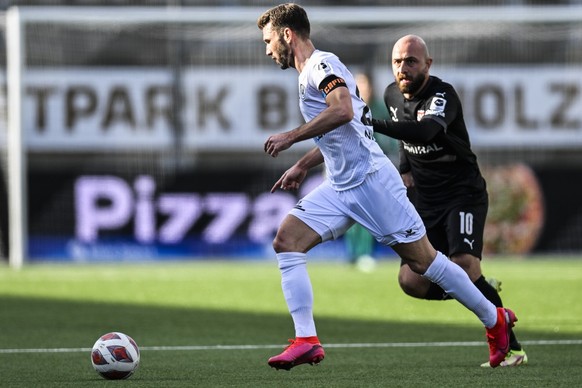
pixel 137 133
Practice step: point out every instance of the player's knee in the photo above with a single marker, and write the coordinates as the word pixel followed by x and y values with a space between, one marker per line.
pixel 280 245
pixel 408 289
pixel 284 242
pixel 409 285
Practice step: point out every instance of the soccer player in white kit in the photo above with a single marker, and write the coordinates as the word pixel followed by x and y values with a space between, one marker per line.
pixel 361 186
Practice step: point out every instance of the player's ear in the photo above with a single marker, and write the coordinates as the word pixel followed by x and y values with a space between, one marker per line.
pixel 428 62
pixel 288 34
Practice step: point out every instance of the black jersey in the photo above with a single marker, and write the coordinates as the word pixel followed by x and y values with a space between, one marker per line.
pixel 444 169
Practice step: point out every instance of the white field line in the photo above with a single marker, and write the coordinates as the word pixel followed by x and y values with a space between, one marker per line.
pixel 340 346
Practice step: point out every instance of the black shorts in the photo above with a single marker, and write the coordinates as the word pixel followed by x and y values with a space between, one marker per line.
pixel 458 228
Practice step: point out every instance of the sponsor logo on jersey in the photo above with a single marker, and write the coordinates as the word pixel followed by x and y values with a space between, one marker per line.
pixel 470 242
pixel 393 113
pixel 437 106
pixel 421 149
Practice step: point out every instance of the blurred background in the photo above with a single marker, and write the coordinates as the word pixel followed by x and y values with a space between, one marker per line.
pixel 133 130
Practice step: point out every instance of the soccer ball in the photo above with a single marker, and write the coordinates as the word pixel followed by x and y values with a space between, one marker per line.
pixel 115 356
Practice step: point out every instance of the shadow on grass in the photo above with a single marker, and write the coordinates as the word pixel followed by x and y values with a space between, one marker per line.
pixel 49 323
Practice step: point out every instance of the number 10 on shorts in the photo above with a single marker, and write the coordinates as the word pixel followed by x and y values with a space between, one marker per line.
pixel 466 223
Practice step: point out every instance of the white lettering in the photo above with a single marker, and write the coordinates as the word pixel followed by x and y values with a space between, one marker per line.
pixel 107 203
pixel 91 214
pixel 183 211
pixel 230 209
pixel 421 149
pixel 145 223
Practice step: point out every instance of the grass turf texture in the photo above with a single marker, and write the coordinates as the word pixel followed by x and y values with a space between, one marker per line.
pixel 234 303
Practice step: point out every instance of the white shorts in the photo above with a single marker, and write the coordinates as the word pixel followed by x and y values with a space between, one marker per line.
pixel 379 204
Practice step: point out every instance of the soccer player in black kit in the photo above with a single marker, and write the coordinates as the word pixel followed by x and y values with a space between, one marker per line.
pixel 436 160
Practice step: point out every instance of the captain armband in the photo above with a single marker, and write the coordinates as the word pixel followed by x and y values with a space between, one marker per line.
pixel 330 83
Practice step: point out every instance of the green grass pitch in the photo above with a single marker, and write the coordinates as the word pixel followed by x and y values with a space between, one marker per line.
pixel 214 324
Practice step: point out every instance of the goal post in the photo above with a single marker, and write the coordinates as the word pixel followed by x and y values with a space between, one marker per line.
pixel 100 84
pixel 16 151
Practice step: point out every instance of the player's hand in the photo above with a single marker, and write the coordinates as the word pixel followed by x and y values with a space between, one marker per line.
pixel 278 143
pixel 290 180
pixel 408 180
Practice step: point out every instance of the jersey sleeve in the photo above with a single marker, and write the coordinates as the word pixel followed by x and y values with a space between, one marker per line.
pixel 412 131
pixel 442 107
pixel 327 74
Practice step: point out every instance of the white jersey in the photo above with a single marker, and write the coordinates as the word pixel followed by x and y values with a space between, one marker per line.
pixel 350 151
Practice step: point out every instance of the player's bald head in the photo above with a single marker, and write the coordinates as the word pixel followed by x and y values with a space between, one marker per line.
pixel 411 44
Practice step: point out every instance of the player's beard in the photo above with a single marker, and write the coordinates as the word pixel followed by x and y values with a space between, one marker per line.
pixel 414 86
pixel 285 55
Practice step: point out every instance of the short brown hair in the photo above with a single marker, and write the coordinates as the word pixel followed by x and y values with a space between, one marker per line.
pixel 287 15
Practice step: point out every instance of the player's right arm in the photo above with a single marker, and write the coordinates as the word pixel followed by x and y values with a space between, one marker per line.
pixel 421 131
pixel 339 111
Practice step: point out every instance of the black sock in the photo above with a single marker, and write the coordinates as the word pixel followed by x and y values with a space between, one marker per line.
pixel 490 293
pixel 493 296
pixel 435 292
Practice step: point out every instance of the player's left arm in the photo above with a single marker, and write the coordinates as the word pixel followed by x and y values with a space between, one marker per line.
pixel 294 176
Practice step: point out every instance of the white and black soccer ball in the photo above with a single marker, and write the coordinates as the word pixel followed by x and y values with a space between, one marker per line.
pixel 115 356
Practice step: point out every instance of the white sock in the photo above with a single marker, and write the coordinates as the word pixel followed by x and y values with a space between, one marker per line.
pixel 451 278
pixel 297 291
